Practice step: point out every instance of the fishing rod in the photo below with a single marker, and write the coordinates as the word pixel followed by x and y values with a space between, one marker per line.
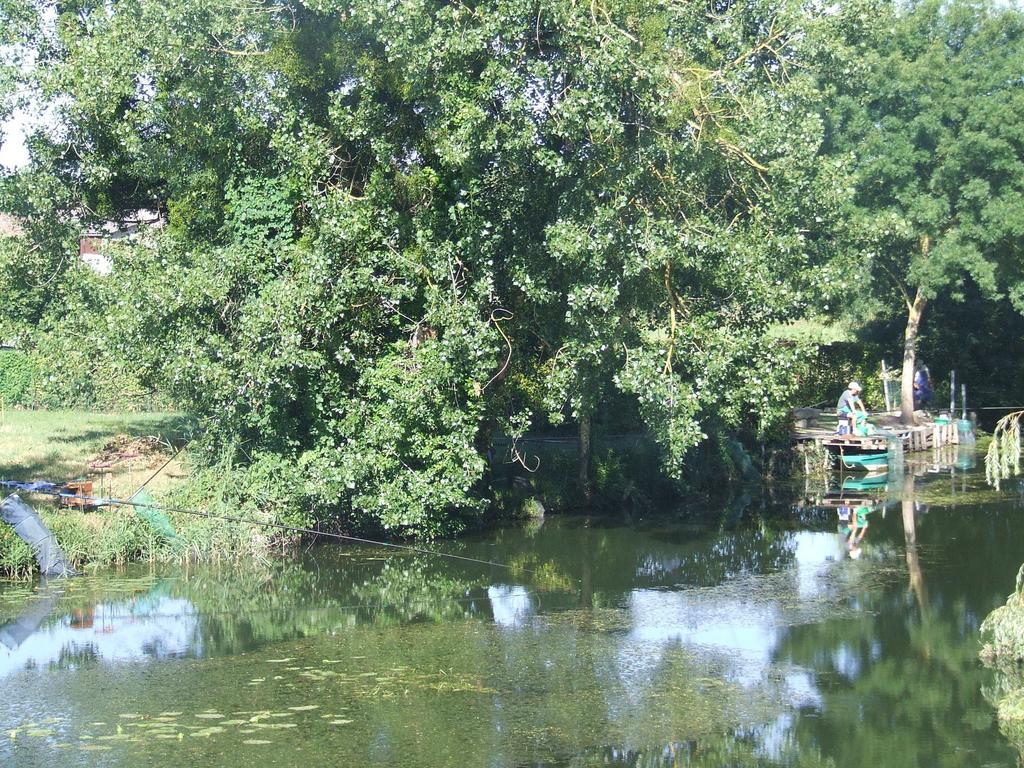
pixel 112 502
pixel 159 470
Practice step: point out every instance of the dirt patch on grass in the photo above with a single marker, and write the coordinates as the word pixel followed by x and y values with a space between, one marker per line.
pixel 146 452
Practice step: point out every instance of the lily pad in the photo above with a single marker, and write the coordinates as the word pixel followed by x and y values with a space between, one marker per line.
pixel 207 732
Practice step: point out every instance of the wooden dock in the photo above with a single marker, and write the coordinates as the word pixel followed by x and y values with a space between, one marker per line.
pixel 811 425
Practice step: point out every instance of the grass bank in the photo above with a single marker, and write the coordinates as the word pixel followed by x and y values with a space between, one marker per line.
pixel 117 452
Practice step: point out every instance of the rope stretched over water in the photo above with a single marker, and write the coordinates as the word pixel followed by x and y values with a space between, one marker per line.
pixel 111 502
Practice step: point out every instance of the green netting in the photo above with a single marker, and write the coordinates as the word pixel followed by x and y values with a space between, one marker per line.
pixel 159 523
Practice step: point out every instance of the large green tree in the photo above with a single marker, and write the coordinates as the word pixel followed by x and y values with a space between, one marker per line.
pixel 932 115
pixel 394 228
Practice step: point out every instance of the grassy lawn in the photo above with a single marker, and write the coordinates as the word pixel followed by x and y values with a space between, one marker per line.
pixel 58 445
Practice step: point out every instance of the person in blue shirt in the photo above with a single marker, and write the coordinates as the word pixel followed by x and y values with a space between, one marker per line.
pixel 846 408
pixel 923 391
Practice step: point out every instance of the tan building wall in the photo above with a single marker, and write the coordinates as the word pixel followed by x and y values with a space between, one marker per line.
pixel 9 226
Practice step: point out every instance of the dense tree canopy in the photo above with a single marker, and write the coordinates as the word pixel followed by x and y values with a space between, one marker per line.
pixel 395 230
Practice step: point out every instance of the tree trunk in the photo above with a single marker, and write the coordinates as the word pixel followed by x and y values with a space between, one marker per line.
pixel 914 312
pixel 583 458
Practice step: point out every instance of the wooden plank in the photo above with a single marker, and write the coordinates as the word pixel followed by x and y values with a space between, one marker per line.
pixel 859 443
pixel 913 439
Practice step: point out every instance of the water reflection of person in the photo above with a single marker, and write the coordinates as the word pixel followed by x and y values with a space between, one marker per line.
pixel 853 525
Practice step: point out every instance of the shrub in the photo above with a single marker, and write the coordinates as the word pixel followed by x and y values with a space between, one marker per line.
pixel 17 377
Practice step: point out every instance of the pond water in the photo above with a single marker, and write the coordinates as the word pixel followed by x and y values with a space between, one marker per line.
pixel 750 638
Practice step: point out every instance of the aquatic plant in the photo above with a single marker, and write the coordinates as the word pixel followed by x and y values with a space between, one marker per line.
pixel 1002 632
pixel 1002 460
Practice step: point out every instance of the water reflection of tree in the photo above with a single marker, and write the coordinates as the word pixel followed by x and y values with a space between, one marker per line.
pixel 892 694
pixel 539 696
pixel 896 677
pixel 710 752
pixel 77 656
pixel 571 563
pixel 900 682
pixel 560 686
pixel 656 554
pixel 240 608
pixel 908 509
pixel 558 691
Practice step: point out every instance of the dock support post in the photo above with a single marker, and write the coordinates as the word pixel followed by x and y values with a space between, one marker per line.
pixel 885 388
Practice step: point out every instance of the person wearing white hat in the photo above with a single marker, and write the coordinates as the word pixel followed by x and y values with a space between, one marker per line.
pixel 846 408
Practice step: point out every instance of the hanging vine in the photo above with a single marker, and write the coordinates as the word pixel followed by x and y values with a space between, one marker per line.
pixel 1003 457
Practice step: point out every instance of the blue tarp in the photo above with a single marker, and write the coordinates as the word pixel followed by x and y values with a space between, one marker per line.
pixel 40 486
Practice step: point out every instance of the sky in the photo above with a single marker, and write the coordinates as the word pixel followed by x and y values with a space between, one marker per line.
pixel 13 153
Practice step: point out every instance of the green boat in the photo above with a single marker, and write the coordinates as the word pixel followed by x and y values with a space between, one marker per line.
pixel 867 461
pixel 865 483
